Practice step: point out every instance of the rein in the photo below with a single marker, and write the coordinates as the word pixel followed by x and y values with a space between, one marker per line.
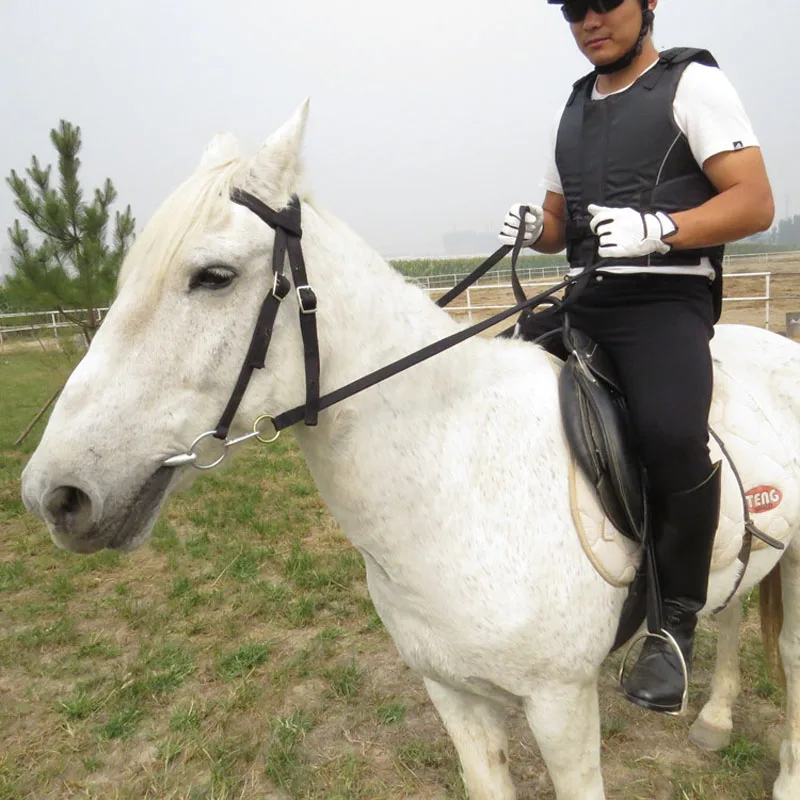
pixel 288 234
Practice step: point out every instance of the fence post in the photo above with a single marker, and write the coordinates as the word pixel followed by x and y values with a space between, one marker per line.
pixel 53 322
pixel 469 305
pixel 769 295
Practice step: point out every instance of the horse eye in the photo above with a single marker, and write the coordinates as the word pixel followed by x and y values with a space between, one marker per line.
pixel 216 277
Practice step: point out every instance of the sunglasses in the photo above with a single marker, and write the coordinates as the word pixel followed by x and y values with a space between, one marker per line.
pixel 576 10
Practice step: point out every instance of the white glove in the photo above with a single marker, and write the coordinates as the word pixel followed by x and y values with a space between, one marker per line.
pixel 534 224
pixel 628 233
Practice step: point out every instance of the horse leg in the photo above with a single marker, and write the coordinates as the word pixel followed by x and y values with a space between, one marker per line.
pixel 787 787
pixel 565 719
pixel 712 728
pixel 477 728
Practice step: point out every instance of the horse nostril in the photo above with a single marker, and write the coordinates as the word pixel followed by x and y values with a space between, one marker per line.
pixel 72 499
pixel 69 509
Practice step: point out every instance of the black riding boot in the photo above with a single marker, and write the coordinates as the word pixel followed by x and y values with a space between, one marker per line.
pixel 683 545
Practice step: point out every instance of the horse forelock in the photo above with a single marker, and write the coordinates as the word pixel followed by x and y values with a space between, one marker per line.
pixel 200 203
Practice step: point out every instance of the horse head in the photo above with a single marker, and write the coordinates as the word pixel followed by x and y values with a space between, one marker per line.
pixel 163 364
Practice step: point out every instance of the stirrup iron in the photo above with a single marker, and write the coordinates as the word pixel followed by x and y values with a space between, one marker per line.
pixel 664 636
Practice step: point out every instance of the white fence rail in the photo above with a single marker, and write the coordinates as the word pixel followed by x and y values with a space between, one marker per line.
pixel 470 308
pixel 497 277
pixel 766 298
pixel 494 278
pixel 761 258
pixel 38 322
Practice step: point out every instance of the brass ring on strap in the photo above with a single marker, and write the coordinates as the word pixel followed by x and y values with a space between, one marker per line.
pixel 257 432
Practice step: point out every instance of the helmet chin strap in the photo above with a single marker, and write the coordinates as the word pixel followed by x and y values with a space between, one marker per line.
pixel 625 61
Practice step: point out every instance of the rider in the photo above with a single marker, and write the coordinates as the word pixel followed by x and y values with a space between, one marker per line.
pixel 654 167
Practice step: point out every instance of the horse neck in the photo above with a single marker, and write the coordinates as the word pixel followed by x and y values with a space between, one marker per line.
pixel 371 318
pixel 371 315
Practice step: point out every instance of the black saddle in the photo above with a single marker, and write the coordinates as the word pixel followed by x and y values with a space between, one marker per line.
pixel 598 429
pixel 599 432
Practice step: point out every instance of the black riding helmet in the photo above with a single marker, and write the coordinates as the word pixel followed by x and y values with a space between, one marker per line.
pixel 575 11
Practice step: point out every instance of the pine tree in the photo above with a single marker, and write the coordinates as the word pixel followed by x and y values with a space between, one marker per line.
pixel 70 264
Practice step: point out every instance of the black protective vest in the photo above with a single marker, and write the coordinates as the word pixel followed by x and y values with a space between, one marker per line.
pixel 627 151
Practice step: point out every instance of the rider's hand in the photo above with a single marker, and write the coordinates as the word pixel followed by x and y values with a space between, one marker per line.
pixel 628 233
pixel 534 224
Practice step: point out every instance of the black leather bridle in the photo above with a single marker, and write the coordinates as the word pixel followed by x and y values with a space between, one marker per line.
pixel 288 233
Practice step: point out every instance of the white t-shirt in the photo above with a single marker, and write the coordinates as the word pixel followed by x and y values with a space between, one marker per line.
pixel 709 112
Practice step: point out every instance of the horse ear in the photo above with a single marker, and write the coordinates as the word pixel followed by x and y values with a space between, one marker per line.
pixel 275 170
pixel 223 148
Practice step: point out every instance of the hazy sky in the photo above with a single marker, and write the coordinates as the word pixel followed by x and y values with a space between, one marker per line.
pixel 427 116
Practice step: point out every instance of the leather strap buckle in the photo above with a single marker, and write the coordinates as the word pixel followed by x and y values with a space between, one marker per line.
pixel 280 286
pixel 306 299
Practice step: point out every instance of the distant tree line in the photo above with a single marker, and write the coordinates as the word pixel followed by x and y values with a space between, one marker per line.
pixel 786 232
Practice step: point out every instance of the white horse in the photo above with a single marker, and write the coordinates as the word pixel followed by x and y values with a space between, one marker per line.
pixel 450 479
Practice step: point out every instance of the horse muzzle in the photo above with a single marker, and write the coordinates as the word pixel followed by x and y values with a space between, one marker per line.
pixel 80 519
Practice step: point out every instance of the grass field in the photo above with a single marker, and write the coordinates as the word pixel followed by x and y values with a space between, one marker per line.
pixel 239 656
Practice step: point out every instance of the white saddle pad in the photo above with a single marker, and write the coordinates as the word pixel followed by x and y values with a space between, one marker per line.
pixel 764 465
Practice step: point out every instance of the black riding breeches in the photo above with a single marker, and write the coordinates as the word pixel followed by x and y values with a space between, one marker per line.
pixel 656 329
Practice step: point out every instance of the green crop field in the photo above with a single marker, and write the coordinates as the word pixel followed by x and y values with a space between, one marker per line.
pixel 238 655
